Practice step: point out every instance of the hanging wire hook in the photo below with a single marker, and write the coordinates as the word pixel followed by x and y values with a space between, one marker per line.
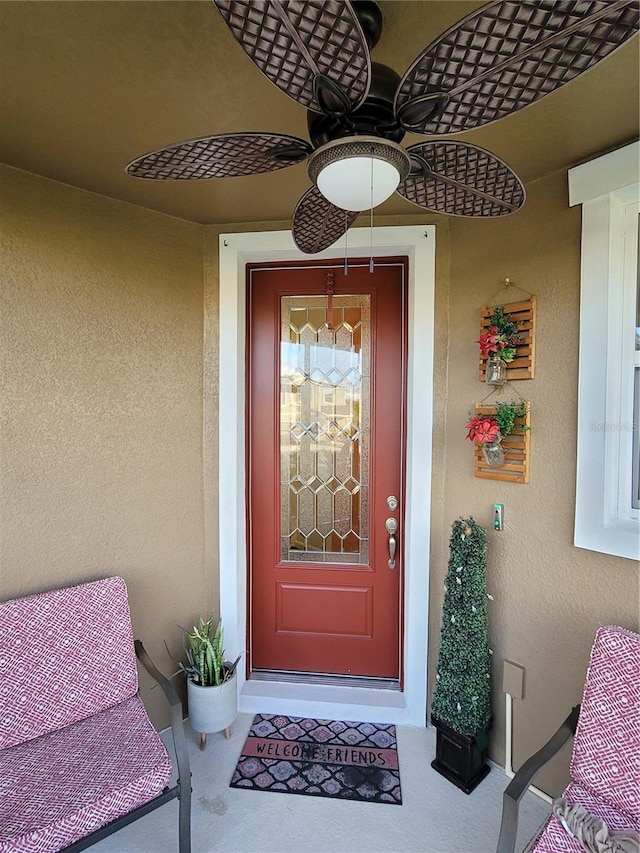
pixel 515 391
pixel 493 391
pixel 507 285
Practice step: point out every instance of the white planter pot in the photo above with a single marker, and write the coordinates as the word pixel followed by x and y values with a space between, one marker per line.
pixel 212 709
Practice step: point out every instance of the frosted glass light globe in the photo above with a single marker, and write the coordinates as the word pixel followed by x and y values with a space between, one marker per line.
pixel 347 183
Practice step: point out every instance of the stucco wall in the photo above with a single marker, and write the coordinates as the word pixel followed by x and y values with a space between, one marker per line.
pixel 108 445
pixel 548 597
pixel 101 420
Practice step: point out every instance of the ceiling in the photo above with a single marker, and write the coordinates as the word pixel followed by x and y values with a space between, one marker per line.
pixel 87 86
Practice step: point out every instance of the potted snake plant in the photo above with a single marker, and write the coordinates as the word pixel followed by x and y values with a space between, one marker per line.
pixel 211 680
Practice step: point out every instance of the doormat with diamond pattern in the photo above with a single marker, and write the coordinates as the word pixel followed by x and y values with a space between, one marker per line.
pixel 323 758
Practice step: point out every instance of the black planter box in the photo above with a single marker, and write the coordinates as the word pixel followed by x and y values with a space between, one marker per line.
pixel 459 758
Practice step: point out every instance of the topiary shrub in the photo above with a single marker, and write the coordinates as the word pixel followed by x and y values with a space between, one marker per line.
pixel 462 697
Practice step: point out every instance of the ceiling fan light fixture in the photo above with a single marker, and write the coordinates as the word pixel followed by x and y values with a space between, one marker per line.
pixel 350 184
pixel 358 173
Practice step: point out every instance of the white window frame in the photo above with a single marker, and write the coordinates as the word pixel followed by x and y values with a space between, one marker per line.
pixel 628 445
pixel 608 188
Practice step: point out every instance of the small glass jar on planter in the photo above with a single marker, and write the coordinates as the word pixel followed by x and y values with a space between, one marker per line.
pixel 493 452
pixel 495 371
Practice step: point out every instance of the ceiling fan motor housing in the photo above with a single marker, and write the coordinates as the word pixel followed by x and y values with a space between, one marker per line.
pixel 374 117
pixel 369 15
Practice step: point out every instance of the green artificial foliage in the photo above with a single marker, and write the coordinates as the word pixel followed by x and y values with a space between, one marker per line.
pixel 503 322
pixel 462 697
pixel 506 414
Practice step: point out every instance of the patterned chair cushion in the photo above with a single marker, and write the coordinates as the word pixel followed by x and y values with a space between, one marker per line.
pixel 66 654
pixel 62 786
pixel 606 748
pixel 555 839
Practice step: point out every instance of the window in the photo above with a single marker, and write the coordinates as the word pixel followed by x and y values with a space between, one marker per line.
pixel 635 462
pixel 607 481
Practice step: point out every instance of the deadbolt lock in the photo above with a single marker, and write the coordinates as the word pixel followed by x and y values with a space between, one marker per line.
pixel 392 503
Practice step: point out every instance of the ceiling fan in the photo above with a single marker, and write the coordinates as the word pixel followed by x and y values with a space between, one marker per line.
pixel 499 59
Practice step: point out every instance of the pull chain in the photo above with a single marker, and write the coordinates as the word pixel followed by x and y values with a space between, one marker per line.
pixel 346 232
pixel 371 225
pixel 330 286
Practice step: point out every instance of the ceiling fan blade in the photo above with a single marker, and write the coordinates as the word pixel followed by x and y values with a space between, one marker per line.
pixel 459 179
pixel 315 51
pixel 508 55
pixel 317 223
pixel 225 155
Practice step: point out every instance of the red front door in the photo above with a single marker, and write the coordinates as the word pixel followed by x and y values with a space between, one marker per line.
pixel 326 417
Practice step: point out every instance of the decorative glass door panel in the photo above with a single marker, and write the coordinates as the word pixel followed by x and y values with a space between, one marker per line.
pixel 325 460
pixel 324 429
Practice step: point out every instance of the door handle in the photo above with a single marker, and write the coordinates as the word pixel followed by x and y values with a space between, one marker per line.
pixel 391 526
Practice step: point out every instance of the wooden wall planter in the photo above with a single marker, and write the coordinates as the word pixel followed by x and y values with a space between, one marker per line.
pixel 516 450
pixel 525 313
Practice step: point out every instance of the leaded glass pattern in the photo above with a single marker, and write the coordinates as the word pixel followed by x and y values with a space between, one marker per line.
pixel 324 429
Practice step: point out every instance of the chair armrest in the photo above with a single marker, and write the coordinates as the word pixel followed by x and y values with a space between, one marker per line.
pixel 167 687
pixel 519 784
pixel 177 724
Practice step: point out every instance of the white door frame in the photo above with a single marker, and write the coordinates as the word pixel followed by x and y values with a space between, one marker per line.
pixel 407 706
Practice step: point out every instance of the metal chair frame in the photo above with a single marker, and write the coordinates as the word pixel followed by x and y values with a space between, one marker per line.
pixel 518 786
pixel 180 791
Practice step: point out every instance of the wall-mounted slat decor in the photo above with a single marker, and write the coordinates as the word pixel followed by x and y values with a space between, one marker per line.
pixel 524 315
pixel 516 451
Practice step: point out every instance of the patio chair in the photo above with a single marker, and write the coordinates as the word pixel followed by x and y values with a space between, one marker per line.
pixel 605 763
pixel 79 757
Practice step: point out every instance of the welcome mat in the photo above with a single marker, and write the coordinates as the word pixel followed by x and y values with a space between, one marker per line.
pixel 323 758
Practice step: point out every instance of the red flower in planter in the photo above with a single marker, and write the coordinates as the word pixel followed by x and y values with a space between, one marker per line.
pixel 490 341
pixel 493 342
pixel 482 429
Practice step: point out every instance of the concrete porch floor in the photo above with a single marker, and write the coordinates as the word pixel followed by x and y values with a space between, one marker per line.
pixel 435 817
